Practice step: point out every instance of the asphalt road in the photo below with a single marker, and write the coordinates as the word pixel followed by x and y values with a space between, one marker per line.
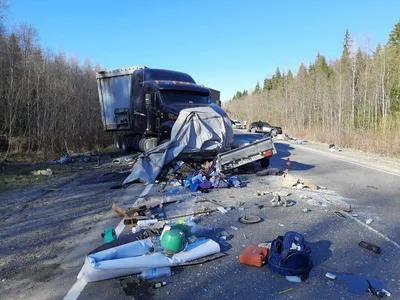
pixel 334 241
pixel 373 194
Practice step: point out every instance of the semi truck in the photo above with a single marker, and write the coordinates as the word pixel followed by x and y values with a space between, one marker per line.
pixel 141 104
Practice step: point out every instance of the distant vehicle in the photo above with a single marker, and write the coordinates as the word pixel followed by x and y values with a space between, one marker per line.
pixel 264 127
pixel 237 124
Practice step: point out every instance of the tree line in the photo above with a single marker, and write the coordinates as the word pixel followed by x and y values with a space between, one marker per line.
pixel 354 99
pixel 48 101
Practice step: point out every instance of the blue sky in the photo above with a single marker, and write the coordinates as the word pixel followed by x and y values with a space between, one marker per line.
pixel 226 45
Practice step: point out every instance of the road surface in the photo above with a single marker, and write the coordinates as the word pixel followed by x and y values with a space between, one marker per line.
pixel 372 193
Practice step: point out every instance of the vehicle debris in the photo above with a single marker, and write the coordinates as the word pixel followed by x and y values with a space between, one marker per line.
pixel 270 171
pixel 369 221
pixel 249 219
pixel 370 247
pixel 47 172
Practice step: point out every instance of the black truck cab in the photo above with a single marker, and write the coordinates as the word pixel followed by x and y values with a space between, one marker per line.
pixel 157 97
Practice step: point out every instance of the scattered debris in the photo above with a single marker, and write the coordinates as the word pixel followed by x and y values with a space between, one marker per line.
pixel 306 210
pixel 285 291
pixel 254 256
pixel 293 278
pixel 47 172
pixel 226 236
pixel 109 235
pixel 155 273
pixel 288 180
pixel 334 148
pixel 278 201
pixel 270 171
pixel 159 284
pixel 222 210
pixel 370 247
pixel 331 276
pixel 372 187
pixel 339 214
pixel 369 221
pixel 249 219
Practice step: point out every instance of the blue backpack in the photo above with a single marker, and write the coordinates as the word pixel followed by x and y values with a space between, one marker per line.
pixel 290 255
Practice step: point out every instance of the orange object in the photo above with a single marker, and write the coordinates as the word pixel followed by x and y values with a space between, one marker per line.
pixel 288 165
pixel 254 256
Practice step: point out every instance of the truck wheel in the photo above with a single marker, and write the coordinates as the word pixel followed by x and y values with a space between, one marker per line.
pixel 118 142
pixel 273 132
pixel 264 162
pixel 124 144
pixel 253 130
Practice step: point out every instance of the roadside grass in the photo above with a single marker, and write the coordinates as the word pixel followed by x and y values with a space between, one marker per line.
pixel 384 143
pixel 16 170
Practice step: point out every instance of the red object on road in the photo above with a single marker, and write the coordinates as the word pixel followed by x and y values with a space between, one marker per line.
pixel 288 165
pixel 254 256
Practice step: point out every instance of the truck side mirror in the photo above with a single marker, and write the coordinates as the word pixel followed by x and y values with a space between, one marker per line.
pixel 147 99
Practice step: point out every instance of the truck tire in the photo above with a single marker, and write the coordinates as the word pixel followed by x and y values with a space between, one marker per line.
pixel 264 162
pixel 274 132
pixel 253 130
pixel 124 144
pixel 118 142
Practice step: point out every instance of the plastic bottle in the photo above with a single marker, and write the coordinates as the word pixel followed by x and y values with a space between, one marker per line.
pixel 155 273
pixel 145 223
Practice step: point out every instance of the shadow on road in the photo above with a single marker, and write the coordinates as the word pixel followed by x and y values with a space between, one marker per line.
pixel 279 160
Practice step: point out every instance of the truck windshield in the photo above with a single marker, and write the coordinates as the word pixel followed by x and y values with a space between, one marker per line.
pixel 184 97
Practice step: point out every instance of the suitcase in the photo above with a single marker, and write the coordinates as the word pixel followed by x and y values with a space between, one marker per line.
pixel 254 256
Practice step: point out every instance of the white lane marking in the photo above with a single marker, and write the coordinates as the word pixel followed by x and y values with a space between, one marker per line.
pixel 76 290
pixel 80 284
pixel 349 161
pixel 373 230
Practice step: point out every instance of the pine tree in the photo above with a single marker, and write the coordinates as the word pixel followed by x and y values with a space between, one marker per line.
pixel 257 89
pixel 346 46
pixel 394 36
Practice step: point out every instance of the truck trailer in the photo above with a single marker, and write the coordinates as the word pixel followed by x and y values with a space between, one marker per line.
pixel 142 104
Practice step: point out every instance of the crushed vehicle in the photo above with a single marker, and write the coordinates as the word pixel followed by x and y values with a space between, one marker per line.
pixel 264 127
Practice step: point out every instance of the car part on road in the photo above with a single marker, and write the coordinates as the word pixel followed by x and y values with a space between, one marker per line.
pixel 270 171
pixel 306 210
pixel 249 219
pixel 370 247
pixel 340 215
